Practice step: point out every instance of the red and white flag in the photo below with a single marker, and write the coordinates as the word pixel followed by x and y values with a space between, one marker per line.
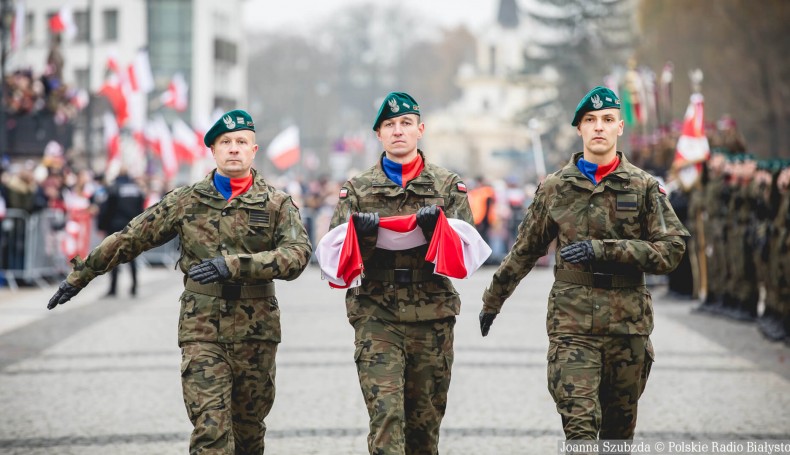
pixel 176 96
pixel 112 138
pixel 63 22
pixel 692 145
pixel 114 92
pixel 456 249
pixel 284 149
pixel 18 26
pixel 158 133
pixel 188 147
pixel 141 78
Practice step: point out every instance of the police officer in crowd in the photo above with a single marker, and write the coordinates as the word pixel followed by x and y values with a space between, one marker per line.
pixel 237 234
pixel 403 314
pixel 613 223
pixel 125 200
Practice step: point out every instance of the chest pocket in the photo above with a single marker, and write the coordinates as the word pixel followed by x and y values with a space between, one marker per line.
pixel 628 208
pixel 260 229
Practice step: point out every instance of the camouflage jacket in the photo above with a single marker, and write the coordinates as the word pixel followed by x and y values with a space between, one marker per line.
pixel 633 229
pixel 260 234
pixel 373 191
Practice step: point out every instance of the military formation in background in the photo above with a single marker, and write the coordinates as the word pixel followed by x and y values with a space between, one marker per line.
pixel 738 212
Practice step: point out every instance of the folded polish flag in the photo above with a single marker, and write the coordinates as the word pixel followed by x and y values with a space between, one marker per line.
pixel 456 248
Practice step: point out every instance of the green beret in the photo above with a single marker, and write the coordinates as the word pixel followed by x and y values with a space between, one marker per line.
pixel 395 105
pixel 235 120
pixel 597 99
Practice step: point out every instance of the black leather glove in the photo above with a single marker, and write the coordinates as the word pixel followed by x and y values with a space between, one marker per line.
pixel 426 219
pixel 210 271
pixel 578 252
pixel 486 319
pixel 64 293
pixel 366 223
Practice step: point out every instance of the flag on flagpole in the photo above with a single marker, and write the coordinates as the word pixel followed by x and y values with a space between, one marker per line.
pixel 141 79
pixel 112 138
pixel 18 26
pixel 62 22
pixel 456 249
pixel 176 94
pixel 692 146
pixel 188 148
pixel 162 140
pixel 284 149
pixel 112 89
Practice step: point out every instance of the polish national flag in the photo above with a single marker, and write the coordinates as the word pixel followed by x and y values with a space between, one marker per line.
pixel 18 26
pixel 114 92
pixel 176 95
pixel 158 133
pixel 112 138
pixel 456 249
pixel 139 74
pixel 692 146
pixel 284 149
pixel 187 146
pixel 63 22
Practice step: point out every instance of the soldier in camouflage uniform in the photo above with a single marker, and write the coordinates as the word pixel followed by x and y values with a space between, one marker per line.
pixel 613 223
pixel 403 314
pixel 237 234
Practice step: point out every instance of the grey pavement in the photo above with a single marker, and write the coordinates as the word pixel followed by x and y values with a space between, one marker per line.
pixel 101 376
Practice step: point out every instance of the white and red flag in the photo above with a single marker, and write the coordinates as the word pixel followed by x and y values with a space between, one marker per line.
pixel 113 90
pixel 112 138
pixel 692 147
pixel 456 249
pixel 139 74
pixel 187 145
pixel 176 96
pixel 284 149
pixel 158 135
pixel 63 22
pixel 18 26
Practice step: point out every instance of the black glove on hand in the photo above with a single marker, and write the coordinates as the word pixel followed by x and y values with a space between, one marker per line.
pixel 486 319
pixel 426 219
pixel 210 271
pixel 366 223
pixel 578 252
pixel 64 293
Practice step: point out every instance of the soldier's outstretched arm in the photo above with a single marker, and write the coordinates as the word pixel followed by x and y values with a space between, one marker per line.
pixel 150 229
pixel 287 260
pixel 535 233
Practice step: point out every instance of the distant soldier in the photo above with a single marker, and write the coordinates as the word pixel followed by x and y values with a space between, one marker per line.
pixel 403 314
pixel 613 223
pixel 237 233
pixel 775 321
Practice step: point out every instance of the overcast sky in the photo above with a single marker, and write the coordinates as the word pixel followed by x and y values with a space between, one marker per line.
pixel 277 14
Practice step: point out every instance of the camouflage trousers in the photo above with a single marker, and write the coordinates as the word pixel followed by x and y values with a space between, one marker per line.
pixel 404 372
pixel 228 391
pixel 596 382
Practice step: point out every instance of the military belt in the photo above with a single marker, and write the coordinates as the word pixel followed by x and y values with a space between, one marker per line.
pixel 599 280
pixel 231 291
pixel 403 276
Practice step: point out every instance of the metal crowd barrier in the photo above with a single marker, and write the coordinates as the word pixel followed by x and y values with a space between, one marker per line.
pixel 30 246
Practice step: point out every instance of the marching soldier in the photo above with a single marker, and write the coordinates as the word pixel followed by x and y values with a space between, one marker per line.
pixel 237 234
pixel 403 314
pixel 613 223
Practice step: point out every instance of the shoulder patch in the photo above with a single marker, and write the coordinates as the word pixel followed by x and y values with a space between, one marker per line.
pixel 461 187
pixel 343 193
pixel 661 189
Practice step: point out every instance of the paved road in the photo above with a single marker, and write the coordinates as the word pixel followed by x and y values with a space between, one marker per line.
pixel 101 376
